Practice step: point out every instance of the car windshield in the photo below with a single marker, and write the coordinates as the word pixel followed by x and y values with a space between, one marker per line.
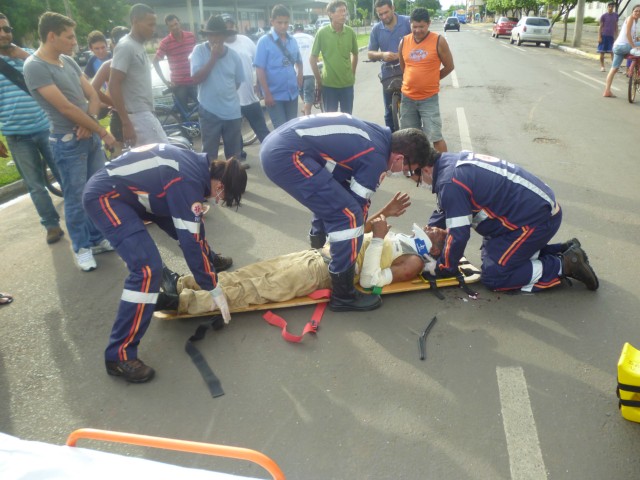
pixel 538 22
pixel 452 20
pixel 503 20
pixel 512 19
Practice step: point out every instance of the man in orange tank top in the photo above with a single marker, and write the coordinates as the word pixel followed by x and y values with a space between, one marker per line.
pixel 425 59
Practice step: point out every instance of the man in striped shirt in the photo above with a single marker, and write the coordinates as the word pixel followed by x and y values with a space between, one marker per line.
pixel 26 127
pixel 177 46
pixel 515 212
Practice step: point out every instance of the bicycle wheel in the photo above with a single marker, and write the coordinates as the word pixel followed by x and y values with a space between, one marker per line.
pixel 48 181
pixel 634 81
pixel 248 135
pixel 395 110
pixel 167 116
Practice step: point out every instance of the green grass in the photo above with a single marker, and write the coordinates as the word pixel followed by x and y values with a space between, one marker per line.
pixel 8 174
pixel 363 40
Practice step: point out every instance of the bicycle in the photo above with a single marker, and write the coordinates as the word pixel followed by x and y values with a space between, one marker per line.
pixel 392 82
pixel 185 121
pixel 633 72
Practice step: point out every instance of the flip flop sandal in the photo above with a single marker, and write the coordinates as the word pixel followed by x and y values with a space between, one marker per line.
pixel 5 299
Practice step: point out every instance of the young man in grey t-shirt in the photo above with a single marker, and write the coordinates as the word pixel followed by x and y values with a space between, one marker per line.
pixel 57 84
pixel 130 81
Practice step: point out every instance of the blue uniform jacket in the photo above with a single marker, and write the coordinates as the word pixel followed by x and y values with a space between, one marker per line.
pixel 354 151
pixel 167 183
pixel 490 195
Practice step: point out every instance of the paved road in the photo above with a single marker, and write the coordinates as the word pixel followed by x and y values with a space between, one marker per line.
pixel 514 386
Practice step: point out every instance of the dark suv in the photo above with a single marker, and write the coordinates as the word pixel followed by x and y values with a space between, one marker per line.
pixel 452 23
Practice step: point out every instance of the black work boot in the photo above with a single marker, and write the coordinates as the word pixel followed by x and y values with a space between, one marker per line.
pixel 575 264
pixel 345 297
pixel 222 263
pixel 570 243
pixel 167 301
pixel 169 283
pixel 134 371
pixel 317 240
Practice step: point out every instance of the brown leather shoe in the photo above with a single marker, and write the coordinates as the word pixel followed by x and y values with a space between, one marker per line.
pixel 54 234
pixel 134 371
pixel 575 264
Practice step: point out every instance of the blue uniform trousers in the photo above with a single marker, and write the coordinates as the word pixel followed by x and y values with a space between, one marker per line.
pixel 121 222
pixel 522 259
pixel 336 212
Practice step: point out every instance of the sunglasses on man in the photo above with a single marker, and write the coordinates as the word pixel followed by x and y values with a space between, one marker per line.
pixel 6 29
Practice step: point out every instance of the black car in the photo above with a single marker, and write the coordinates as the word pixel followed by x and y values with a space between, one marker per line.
pixel 452 23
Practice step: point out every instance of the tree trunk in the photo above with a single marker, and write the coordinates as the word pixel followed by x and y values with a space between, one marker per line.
pixel 566 22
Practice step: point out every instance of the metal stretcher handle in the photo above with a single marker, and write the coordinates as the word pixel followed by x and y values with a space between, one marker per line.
pixel 179 445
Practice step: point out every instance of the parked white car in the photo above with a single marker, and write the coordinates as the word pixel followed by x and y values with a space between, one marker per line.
pixel 532 29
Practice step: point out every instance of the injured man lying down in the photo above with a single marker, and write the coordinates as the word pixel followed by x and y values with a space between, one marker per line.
pixel 385 257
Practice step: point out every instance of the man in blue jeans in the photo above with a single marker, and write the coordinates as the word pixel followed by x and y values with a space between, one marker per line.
pixel 64 93
pixel 279 68
pixel 383 46
pixel 26 128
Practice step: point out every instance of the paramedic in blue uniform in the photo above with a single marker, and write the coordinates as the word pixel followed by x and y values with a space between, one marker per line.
pixel 166 185
pixel 333 163
pixel 515 212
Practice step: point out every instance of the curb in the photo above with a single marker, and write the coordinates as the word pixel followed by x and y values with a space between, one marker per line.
pixel 13 190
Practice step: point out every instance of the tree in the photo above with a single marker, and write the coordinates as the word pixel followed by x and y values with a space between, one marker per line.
pixel 100 15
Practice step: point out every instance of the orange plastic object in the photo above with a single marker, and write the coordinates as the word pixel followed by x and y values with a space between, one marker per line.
pixel 179 445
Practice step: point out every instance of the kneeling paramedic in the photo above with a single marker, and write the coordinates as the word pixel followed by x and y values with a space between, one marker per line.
pixel 515 212
pixel 166 185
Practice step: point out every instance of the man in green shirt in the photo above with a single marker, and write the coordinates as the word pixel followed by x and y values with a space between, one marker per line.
pixel 339 48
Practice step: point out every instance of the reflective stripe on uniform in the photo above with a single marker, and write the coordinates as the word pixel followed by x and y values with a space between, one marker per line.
pixel 138 297
pixel 348 234
pixel 331 130
pixel 360 190
pixel 142 165
pixel 191 227
pixel 536 274
pixel 512 177
pixel 330 165
pixel 456 222
pixel 143 198
pixel 478 218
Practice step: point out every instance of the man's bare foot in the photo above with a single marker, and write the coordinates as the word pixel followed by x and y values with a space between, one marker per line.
pixel 608 94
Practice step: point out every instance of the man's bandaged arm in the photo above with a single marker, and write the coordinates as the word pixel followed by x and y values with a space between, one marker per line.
pixel 372 275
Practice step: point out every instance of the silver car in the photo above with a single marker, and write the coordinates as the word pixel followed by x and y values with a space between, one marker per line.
pixel 532 29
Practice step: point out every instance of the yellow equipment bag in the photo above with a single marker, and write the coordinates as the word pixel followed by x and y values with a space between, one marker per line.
pixel 629 383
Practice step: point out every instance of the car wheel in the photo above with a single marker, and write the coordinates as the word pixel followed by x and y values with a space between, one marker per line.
pixel 511 40
pixel 547 44
pixel 537 44
pixel 519 42
pixel 458 29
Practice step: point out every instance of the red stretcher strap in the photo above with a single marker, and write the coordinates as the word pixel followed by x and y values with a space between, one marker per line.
pixel 311 326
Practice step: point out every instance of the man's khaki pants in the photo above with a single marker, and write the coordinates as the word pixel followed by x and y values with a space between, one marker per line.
pixel 275 280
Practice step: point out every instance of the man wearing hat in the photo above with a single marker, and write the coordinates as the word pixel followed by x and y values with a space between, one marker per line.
pixel 217 70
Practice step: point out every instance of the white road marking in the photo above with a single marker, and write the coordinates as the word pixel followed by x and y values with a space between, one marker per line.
pixel 505 45
pixel 593 79
pixel 454 80
pixel 525 456
pixel 520 49
pixel 579 80
pixel 463 127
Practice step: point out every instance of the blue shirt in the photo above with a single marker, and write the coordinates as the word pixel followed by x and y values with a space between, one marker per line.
pixel 387 40
pixel 218 93
pixel 20 114
pixel 280 72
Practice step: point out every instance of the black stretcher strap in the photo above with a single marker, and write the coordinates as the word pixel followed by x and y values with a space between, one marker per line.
pixel 213 382
pixel 433 285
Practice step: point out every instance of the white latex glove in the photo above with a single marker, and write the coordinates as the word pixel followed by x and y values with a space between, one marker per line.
pixel 430 265
pixel 221 302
